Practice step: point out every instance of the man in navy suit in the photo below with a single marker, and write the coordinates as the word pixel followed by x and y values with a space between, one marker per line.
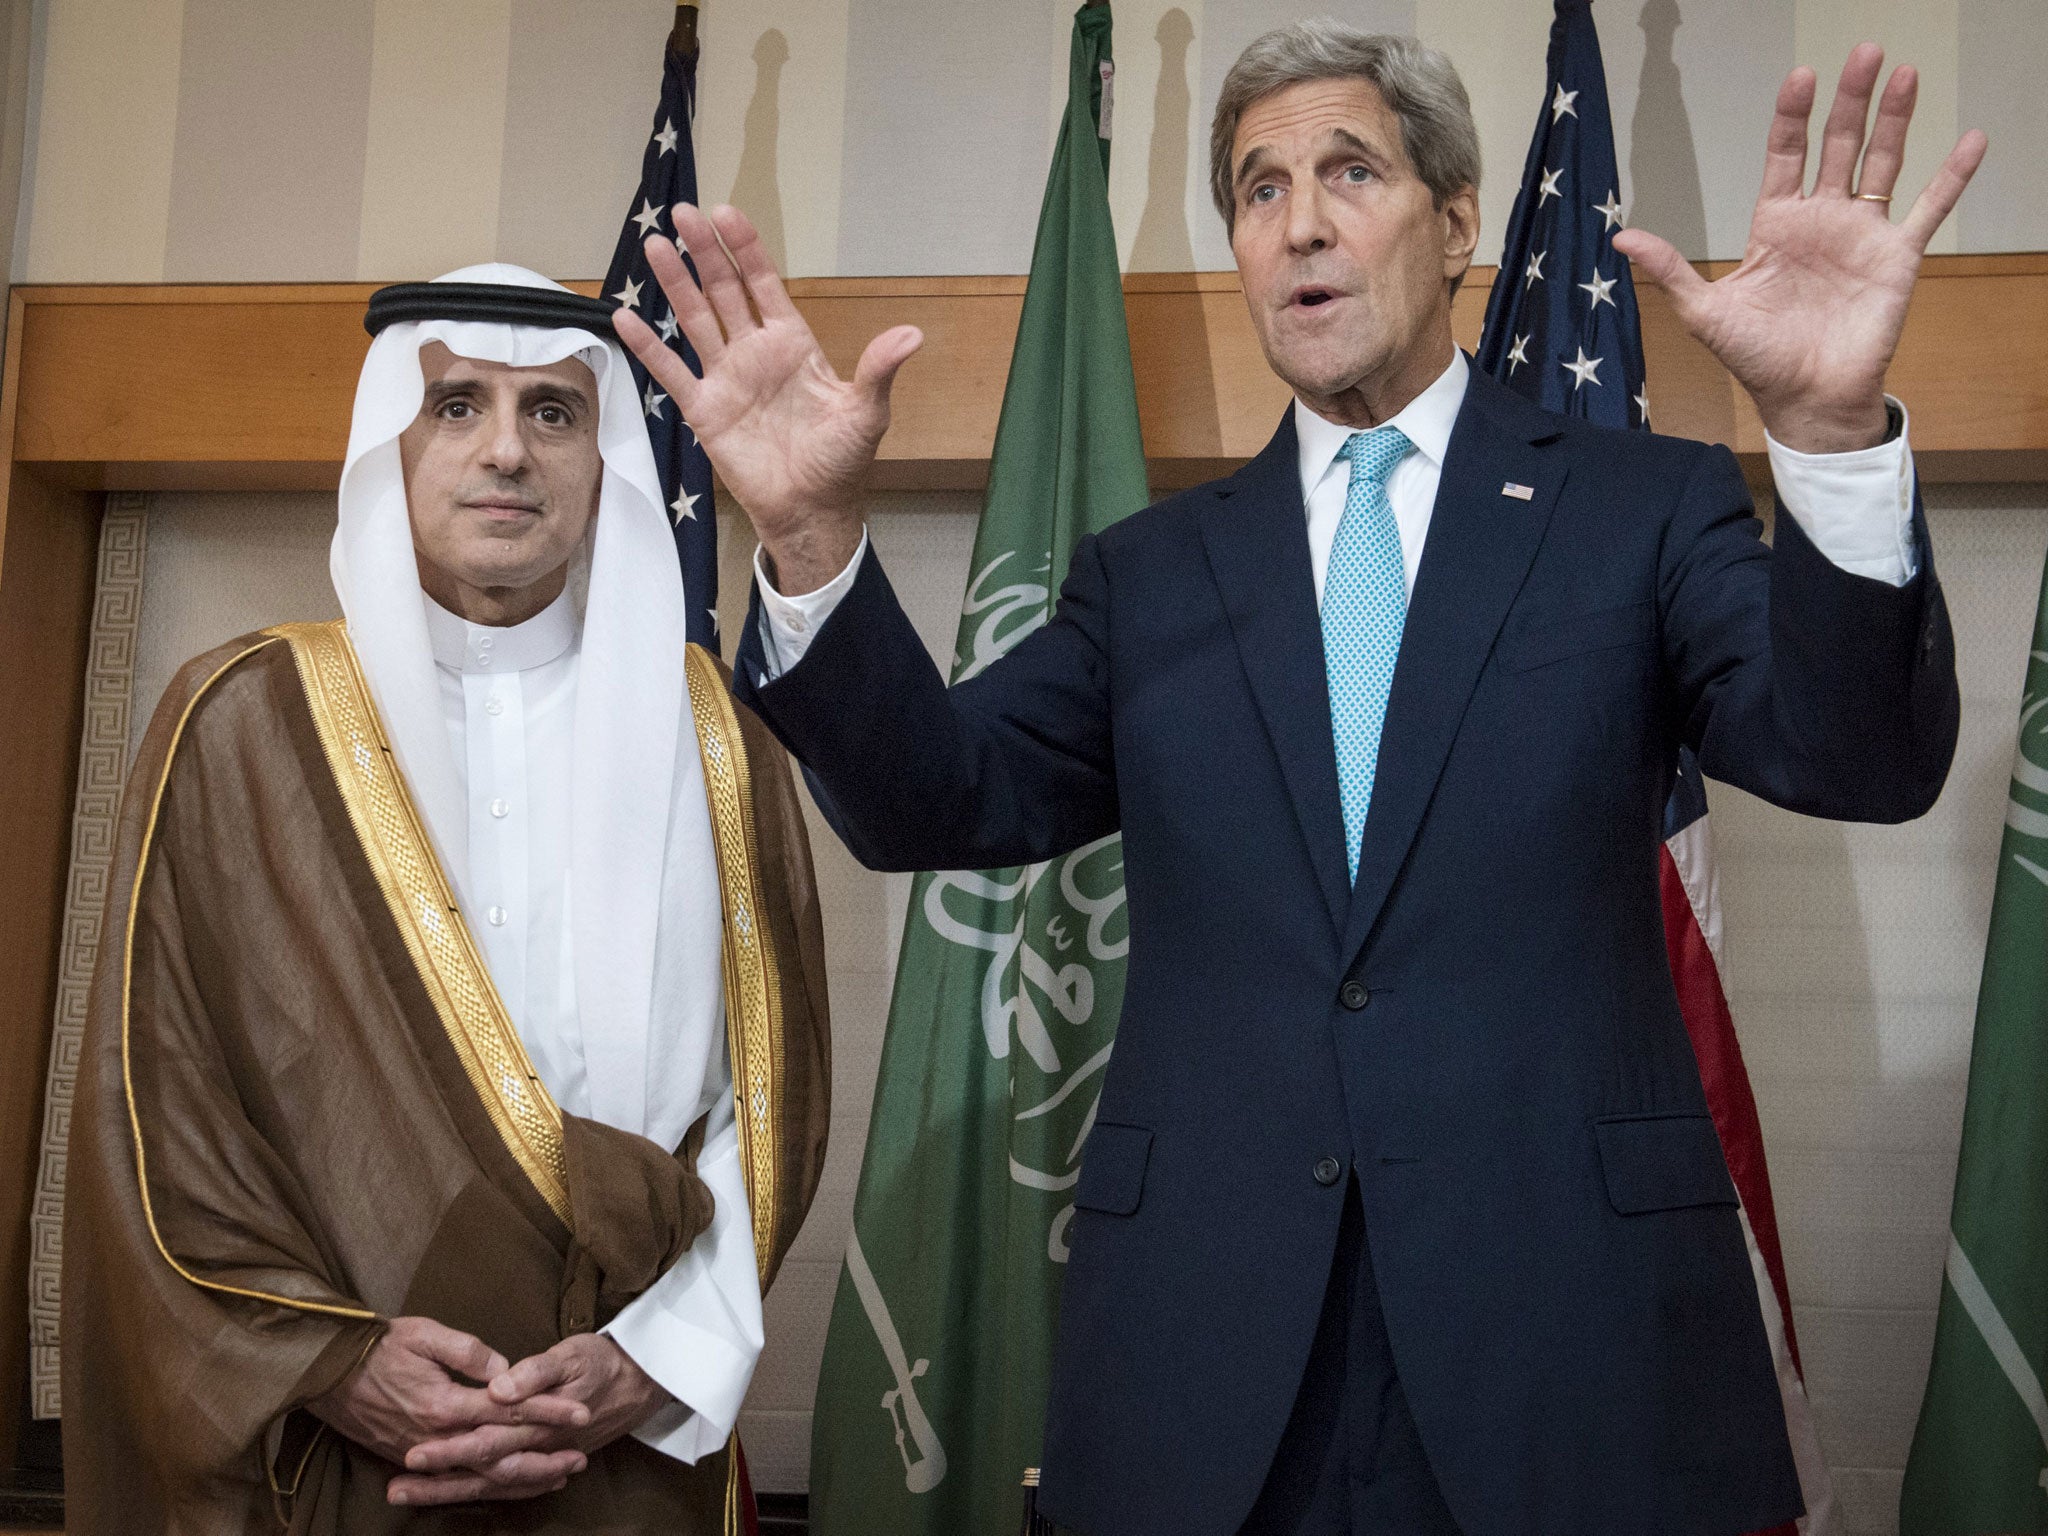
pixel 1403 1213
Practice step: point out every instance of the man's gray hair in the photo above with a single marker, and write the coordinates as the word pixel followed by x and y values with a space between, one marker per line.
pixel 1417 82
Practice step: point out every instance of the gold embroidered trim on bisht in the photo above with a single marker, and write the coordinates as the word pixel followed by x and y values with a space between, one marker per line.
pixel 735 1524
pixel 156 805
pixel 753 991
pixel 422 904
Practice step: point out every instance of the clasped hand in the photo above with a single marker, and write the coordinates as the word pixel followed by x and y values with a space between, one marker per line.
pixel 466 1424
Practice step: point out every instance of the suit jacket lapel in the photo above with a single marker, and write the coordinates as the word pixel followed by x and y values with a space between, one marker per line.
pixel 1478 550
pixel 1255 533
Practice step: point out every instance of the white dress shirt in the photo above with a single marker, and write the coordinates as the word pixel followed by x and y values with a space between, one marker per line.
pixel 509 699
pixel 1857 508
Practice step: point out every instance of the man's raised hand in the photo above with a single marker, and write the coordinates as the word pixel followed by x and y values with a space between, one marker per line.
pixel 790 438
pixel 1809 321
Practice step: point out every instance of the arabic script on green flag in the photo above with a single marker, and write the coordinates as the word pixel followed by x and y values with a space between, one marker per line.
pixel 932 1394
pixel 1979 1465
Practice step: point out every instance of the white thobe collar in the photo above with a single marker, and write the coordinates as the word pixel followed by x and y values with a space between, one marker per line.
pixel 1427 420
pixel 461 646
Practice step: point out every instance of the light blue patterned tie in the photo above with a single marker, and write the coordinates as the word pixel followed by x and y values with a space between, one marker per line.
pixel 1365 605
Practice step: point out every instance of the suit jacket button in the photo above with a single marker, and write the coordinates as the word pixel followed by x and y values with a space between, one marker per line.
pixel 1329 1171
pixel 1354 996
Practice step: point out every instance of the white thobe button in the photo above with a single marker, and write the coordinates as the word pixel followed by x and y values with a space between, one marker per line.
pixel 798 622
pixel 494 706
pixel 501 808
pixel 497 917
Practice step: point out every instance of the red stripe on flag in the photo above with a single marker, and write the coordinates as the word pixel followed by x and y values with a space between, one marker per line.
pixel 1730 1099
pixel 1691 916
pixel 1726 1079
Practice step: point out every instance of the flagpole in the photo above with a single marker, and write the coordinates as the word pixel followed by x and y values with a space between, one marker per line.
pixel 682 37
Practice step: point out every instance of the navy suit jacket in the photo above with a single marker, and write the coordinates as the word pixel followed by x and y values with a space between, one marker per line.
pixel 1483 1027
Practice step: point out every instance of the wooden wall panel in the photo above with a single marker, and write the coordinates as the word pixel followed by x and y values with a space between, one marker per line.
pixel 260 375
pixel 241 386
pixel 48 544
pixel 45 612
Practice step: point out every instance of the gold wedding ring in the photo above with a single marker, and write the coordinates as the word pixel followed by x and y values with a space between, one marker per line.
pixel 1874 197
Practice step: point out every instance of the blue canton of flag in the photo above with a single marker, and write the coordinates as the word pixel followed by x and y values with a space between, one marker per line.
pixel 1561 323
pixel 668 175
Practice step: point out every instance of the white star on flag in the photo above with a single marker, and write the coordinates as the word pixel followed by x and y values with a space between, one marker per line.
pixel 653 401
pixel 667 137
pixel 714 619
pixel 1598 288
pixel 668 327
pixel 1534 271
pixel 1549 190
pixel 1582 369
pixel 1516 354
pixel 629 296
pixel 1643 403
pixel 648 218
pixel 1609 211
pixel 685 505
pixel 1561 103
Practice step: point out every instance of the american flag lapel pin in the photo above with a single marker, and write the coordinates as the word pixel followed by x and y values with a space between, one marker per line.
pixel 1519 492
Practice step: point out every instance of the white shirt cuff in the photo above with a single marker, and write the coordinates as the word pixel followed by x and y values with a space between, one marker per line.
pixel 1856 507
pixel 698 1330
pixel 792 622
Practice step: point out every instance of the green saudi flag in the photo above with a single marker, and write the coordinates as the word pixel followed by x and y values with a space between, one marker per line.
pixel 1979 1465
pixel 931 1399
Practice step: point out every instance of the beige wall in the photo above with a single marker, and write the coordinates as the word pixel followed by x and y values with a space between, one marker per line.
pixel 323 139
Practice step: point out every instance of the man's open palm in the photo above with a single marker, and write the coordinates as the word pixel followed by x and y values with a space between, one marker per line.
pixel 1809 321
pixel 790 438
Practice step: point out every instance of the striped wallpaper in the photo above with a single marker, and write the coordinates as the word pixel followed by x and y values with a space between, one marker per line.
pixel 296 140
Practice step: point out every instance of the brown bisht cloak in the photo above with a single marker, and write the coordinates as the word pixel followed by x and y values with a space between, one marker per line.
pixel 302 1111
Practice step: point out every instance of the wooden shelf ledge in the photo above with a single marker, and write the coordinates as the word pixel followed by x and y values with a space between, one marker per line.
pixel 239 386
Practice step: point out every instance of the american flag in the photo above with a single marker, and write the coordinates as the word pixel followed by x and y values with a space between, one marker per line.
pixel 1562 329
pixel 668 175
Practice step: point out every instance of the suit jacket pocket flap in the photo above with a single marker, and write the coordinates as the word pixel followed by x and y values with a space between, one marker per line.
pixel 1662 1162
pixel 1546 637
pixel 1113 1169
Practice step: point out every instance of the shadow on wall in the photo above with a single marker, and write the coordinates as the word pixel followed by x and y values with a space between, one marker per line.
pixel 1668 199
pixel 1163 242
pixel 757 185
